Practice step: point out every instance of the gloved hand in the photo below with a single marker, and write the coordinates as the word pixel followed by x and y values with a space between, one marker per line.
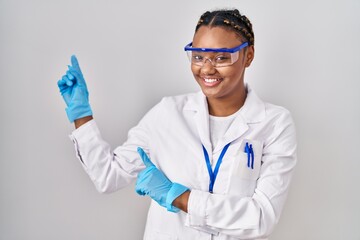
pixel 151 181
pixel 74 91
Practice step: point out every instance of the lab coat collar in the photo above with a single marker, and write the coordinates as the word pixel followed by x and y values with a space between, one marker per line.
pixel 252 111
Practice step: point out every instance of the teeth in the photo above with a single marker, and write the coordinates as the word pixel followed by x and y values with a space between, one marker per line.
pixel 211 80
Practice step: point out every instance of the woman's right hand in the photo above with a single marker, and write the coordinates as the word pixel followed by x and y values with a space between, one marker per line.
pixel 73 88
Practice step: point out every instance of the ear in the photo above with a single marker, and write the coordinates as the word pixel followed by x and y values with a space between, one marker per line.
pixel 250 53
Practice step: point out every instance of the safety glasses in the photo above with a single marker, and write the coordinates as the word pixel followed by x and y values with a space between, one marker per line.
pixel 218 57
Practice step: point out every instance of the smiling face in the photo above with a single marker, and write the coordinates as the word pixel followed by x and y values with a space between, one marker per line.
pixel 223 83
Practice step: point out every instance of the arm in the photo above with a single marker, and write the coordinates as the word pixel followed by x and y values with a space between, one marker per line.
pixel 109 170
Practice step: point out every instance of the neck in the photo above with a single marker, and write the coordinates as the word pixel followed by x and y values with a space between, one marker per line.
pixel 225 107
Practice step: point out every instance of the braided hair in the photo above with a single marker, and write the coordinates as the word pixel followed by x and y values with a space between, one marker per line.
pixel 229 19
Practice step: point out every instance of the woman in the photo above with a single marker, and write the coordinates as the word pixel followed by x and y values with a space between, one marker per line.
pixel 221 159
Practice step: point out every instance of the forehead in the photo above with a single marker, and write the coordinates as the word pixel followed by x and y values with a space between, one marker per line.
pixel 215 37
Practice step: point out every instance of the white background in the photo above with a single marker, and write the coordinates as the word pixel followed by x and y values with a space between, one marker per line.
pixel 131 53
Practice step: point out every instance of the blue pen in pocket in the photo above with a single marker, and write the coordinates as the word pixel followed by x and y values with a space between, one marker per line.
pixel 250 155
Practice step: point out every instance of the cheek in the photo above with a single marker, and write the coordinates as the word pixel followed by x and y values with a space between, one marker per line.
pixel 236 70
pixel 227 73
pixel 235 73
pixel 195 70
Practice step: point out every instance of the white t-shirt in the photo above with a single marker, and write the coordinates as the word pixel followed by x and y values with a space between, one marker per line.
pixel 219 126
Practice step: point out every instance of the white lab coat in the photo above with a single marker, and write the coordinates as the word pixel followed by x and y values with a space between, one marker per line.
pixel 246 203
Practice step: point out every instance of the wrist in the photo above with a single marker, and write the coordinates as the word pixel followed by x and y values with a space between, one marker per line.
pixel 81 121
pixel 181 202
pixel 77 111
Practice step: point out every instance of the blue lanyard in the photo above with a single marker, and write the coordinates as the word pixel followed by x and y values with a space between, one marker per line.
pixel 216 170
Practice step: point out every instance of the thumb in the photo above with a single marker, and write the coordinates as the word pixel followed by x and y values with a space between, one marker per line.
pixel 145 157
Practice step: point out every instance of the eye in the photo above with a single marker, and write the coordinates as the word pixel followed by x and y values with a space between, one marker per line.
pixel 197 58
pixel 222 58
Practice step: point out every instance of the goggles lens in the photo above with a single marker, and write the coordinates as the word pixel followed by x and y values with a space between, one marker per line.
pixel 218 57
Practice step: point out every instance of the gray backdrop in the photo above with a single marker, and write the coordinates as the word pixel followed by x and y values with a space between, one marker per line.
pixel 131 52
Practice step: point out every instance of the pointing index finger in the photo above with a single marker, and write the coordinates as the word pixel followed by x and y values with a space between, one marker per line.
pixel 75 70
pixel 74 62
pixel 145 157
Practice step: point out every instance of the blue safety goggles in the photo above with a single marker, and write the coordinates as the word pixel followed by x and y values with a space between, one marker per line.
pixel 220 57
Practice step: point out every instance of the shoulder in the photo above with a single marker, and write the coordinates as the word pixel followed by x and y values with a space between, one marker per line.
pixel 255 110
pixel 281 125
pixel 179 101
pixel 171 107
pixel 275 111
pixel 258 111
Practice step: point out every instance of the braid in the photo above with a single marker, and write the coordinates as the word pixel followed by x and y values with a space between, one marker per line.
pixel 242 30
pixel 230 19
pixel 201 20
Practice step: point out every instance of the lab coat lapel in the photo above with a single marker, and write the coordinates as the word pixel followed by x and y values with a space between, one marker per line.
pixel 253 111
pixel 236 130
pixel 198 104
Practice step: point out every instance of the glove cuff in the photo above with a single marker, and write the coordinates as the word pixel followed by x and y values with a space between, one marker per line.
pixel 77 112
pixel 175 191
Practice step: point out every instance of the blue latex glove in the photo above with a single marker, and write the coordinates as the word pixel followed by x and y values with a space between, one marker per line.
pixel 74 91
pixel 151 181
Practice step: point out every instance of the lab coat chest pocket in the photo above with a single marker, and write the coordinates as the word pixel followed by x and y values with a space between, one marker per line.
pixel 246 168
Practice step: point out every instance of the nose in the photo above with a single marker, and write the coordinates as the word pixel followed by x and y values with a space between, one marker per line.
pixel 208 67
